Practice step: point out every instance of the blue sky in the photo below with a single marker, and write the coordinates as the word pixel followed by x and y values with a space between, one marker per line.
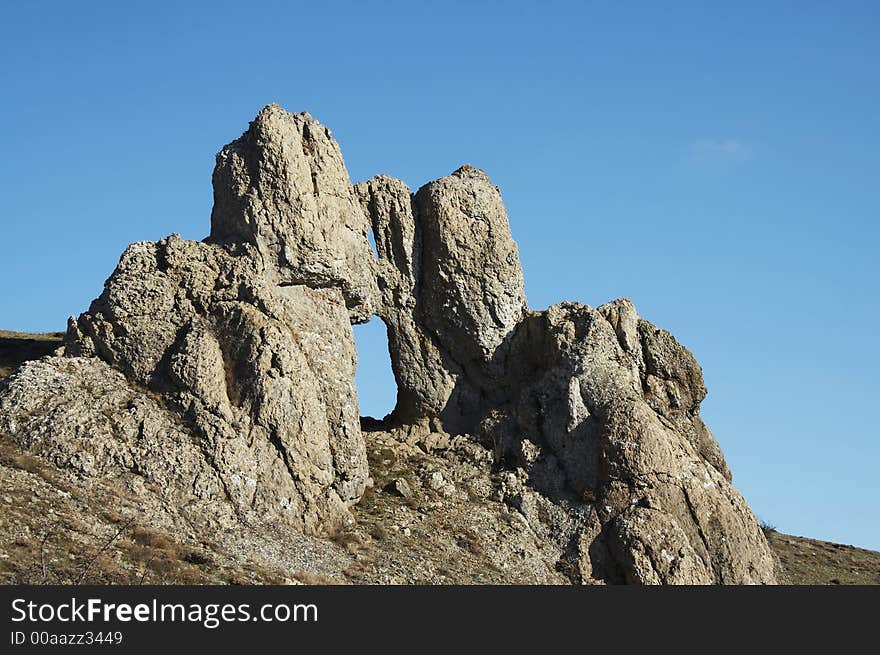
pixel 716 164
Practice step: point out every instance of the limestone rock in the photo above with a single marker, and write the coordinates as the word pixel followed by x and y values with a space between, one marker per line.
pixel 673 383
pixel 598 408
pixel 586 431
pixel 425 376
pixel 400 487
pixel 451 290
pixel 221 375
pixel 84 416
pixel 260 374
pixel 283 187
pixel 247 338
pixel 472 292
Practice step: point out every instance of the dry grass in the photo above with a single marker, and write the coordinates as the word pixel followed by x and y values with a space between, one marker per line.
pixel 57 531
pixel 309 578
pixel 472 543
pixel 379 533
pixel 345 537
pixel 814 562
pixel 32 336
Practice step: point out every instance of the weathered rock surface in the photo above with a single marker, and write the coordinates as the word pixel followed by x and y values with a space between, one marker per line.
pixel 451 290
pixel 645 504
pixel 283 187
pixel 221 375
pixel 99 425
pixel 598 410
pixel 246 339
pixel 259 376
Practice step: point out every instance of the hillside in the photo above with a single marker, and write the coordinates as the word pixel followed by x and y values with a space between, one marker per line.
pixel 810 561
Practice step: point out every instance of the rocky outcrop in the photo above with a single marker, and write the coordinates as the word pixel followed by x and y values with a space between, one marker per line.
pixel 260 375
pixel 86 417
pixel 243 342
pixel 583 430
pixel 596 410
pixel 222 374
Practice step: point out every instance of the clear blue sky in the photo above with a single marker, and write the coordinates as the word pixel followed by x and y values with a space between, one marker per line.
pixel 719 166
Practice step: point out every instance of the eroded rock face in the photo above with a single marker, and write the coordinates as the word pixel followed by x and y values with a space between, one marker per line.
pixel 451 290
pixel 261 375
pixel 242 346
pixel 645 502
pixel 472 291
pixel 85 416
pixel 425 375
pixel 283 187
pixel 222 374
pixel 595 412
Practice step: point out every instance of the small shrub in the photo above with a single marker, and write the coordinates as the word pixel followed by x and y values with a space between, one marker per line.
pixel 344 537
pixel 197 558
pixel 470 542
pixel 28 463
pixel 378 532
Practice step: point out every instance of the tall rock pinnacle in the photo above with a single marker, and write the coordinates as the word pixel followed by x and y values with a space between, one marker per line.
pixel 451 290
pixel 283 187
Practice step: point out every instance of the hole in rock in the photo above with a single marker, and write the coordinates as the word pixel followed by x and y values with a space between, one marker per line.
pixel 376 387
pixel 372 239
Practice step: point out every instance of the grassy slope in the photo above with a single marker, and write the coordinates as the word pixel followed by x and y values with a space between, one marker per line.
pixel 806 561
pixel 809 561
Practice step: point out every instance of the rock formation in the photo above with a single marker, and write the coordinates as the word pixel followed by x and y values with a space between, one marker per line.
pixel 283 187
pixel 222 373
pixel 251 361
pixel 451 291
